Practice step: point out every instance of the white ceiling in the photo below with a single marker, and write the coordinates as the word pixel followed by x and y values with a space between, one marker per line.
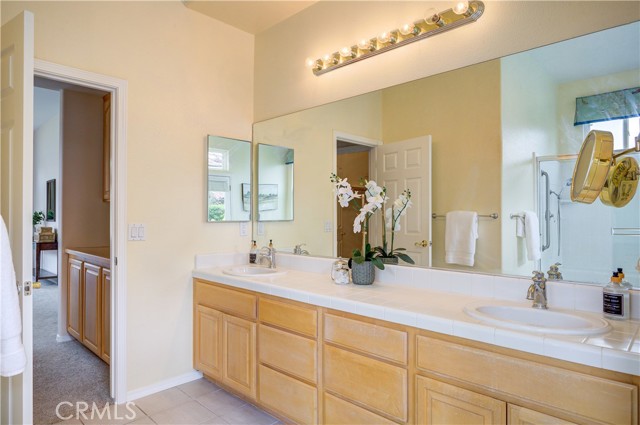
pixel 249 16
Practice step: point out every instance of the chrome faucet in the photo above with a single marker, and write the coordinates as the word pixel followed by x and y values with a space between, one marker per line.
pixel 538 290
pixel 299 251
pixel 554 273
pixel 268 254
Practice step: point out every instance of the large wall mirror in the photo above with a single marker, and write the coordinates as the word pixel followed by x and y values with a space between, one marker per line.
pixel 494 128
pixel 275 192
pixel 228 175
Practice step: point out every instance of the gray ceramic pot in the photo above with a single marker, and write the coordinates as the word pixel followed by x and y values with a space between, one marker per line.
pixel 363 274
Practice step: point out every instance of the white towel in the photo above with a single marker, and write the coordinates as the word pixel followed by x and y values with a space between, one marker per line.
pixel 461 232
pixel 532 235
pixel 520 225
pixel 12 355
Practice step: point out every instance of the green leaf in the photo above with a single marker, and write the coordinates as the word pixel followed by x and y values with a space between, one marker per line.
pixel 378 263
pixel 405 257
pixel 358 260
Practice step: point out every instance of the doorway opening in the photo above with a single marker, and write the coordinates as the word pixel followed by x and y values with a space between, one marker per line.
pixel 72 299
pixel 353 162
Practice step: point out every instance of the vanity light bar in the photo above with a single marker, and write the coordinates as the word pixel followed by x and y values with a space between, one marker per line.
pixel 461 14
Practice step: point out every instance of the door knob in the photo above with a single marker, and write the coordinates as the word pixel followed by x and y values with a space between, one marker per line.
pixel 423 243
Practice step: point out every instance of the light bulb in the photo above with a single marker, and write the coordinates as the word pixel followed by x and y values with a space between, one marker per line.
pixel 407 29
pixel 328 59
pixel 311 63
pixel 364 44
pixel 386 37
pixel 461 8
pixel 346 52
pixel 435 19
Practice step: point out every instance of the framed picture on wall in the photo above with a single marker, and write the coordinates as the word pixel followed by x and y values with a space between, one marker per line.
pixel 267 197
pixel 246 196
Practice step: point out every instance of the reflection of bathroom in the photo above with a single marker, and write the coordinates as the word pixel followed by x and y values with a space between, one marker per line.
pixel 607 236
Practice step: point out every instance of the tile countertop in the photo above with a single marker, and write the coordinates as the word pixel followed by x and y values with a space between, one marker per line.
pixel 434 300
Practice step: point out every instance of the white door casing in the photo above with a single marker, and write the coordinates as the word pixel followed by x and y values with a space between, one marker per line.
pixel 407 165
pixel 16 193
pixel 118 89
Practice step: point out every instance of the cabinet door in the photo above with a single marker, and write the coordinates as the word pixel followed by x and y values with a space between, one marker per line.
pixel 522 416
pixel 74 299
pixel 92 308
pixel 207 356
pixel 440 403
pixel 239 358
pixel 105 352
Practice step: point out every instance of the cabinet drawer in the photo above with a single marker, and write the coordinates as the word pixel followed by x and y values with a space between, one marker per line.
pixel 340 412
pixel 440 403
pixel 522 416
pixel 372 383
pixel 291 353
pixel 226 300
pixel 572 392
pixel 289 316
pixel 372 339
pixel 294 399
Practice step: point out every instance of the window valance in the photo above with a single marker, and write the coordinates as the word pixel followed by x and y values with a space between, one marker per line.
pixel 614 105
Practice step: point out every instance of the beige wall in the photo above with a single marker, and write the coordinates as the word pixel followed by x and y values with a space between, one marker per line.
pixel 188 76
pixel 284 85
pixel 311 134
pixel 461 111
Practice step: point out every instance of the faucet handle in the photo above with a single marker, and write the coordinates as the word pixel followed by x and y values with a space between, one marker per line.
pixel 537 275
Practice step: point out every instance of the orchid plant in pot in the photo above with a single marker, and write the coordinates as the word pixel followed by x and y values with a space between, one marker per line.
pixel 391 220
pixel 371 200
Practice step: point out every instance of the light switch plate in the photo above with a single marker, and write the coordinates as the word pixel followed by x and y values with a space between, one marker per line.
pixel 327 226
pixel 137 232
pixel 260 229
pixel 244 228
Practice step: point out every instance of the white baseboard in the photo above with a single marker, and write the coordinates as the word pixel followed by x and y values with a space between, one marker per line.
pixel 163 385
pixel 63 338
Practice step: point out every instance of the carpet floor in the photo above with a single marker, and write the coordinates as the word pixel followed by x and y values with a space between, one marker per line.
pixel 62 371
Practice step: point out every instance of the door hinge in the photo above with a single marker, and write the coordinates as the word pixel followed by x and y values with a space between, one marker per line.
pixel 26 286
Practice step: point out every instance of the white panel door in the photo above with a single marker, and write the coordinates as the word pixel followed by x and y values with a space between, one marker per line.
pixel 16 193
pixel 407 165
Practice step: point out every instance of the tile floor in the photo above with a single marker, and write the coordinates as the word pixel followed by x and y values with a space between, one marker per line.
pixel 197 402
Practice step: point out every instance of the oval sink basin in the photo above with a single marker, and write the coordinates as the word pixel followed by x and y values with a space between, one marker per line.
pixel 536 320
pixel 253 271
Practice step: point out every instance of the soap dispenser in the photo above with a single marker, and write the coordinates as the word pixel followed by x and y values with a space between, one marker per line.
pixel 253 253
pixel 615 299
pixel 623 281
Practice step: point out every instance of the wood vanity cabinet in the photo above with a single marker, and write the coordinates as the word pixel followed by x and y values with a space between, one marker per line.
pixel 365 364
pixel 74 298
pixel 288 359
pixel 92 308
pixel 89 303
pixel 225 336
pixel 484 384
pixel 309 365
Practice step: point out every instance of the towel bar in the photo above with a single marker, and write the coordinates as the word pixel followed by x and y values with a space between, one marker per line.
pixel 512 216
pixel 492 215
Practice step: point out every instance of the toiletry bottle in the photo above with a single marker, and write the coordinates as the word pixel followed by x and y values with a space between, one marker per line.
pixel 624 282
pixel 615 299
pixel 253 253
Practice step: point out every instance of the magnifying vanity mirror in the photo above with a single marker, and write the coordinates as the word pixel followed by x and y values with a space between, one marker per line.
pixel 496 129
pixel 228 172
